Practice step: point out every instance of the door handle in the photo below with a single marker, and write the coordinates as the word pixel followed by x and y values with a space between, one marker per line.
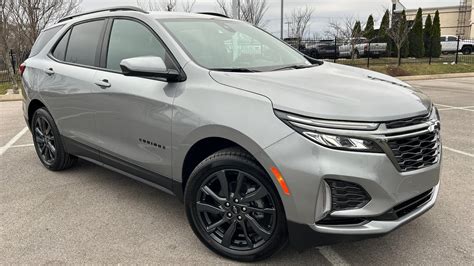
pixel 103 84
pixel 49 71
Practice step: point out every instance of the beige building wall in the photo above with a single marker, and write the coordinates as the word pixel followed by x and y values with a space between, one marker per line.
pixel 449 17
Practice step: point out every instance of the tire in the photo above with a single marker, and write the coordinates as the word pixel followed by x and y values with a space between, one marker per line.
pixel 239 220
pixel 48 144
pixel 467 50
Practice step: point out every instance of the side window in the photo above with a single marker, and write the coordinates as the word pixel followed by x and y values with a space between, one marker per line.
pixel 131 39
pixel 443 39
pixel 43 39
pixel 60 50
pixel 452 39
pixel 83 43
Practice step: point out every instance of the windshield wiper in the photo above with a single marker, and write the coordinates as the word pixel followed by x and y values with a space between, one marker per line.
pixel 234 70
pixel 293 67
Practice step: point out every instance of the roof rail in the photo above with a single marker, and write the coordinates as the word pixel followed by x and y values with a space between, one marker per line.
pixel 213 14
pixel 111 9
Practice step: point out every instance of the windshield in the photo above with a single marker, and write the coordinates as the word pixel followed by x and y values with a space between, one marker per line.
pixel 231 45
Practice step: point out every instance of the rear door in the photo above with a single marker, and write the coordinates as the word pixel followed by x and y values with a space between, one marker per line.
pixel 134 117
pixel 70 82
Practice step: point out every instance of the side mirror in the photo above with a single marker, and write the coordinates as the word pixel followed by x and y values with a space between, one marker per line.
pixel 149 66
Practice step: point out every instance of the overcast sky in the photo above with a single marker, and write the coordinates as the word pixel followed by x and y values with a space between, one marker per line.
pixel 325 10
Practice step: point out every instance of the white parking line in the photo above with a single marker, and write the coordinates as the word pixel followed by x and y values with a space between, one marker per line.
pixel 458 151
pixel 449 107
pixel 332 256
pixel 13 140
pixel 22 146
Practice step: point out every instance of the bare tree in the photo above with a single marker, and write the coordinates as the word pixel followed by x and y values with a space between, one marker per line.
pixel 224 7
pixel 5 39
pixel 348 32
pixel 32 16
pixel 299 20
pixel 157 5
pixel 399 32
pixel 251 11
pixel 188 5
pixel 149 5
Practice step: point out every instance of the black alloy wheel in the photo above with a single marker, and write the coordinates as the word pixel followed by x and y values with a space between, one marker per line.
pixel 234 208
pixel 48 142
pixel 44 140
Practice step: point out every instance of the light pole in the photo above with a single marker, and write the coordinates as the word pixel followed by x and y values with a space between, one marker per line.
pixel 281 25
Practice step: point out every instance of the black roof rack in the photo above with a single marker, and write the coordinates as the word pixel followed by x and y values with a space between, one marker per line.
pixel 111 9
pixel 213 14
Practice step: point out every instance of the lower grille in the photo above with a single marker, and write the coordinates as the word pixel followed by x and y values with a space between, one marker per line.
pixel 406 207
pixel 416 152
pixel 410 205
pixel 347 195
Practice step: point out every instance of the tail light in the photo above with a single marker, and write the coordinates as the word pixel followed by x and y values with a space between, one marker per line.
pixel 22 68
pixel 366 47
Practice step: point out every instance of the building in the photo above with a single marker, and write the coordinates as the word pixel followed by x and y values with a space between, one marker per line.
pixel 455 20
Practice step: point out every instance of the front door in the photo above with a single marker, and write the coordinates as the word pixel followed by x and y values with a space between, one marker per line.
pixel 134 116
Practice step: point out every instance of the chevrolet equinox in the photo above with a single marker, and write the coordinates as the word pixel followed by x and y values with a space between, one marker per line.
pixel 264 145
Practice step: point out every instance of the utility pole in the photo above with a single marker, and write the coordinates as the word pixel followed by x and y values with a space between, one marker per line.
pixel 281 28
pixel 236 9
pixel 288 24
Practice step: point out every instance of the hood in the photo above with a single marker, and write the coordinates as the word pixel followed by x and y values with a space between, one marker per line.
pixel 333 91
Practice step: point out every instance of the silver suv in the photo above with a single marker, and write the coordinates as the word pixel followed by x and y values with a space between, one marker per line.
pixel 264 145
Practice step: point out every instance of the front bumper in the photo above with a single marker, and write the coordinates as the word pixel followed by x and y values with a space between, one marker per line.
pixel 305 167
pixel 303 236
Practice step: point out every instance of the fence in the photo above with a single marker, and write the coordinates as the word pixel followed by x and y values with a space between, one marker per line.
pixel 367 53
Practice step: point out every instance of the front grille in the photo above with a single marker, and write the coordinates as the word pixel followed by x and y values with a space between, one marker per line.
pixel 416 152
pixel 347 195
pixel 408 121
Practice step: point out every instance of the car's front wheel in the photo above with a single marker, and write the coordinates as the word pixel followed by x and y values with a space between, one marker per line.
pixel 233 207
pixel 48 143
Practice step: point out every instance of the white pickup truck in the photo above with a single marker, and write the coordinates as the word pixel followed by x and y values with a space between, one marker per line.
pixel 449 44
pixel 361 48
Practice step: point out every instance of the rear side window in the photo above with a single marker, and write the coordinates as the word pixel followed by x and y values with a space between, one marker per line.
pixel 60 50
pixel 83 43
pixel 43 39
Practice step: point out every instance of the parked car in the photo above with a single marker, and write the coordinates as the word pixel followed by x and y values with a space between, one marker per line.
pixel 361 48
pixel 449 44
pixel 295 42
pixel 321 49
pixel 263 144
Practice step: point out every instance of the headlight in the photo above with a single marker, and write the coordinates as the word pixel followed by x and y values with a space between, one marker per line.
pixel 342 142
pixel 309 128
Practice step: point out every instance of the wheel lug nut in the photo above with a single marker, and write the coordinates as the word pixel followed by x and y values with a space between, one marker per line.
pixel 244 209
pixel 236 200
pixel 239 217
pixel 227 204
pixel 229 214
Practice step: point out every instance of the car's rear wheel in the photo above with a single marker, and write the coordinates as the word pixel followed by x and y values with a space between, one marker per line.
pixel 234 208
pixel 467 50
pixel 48 143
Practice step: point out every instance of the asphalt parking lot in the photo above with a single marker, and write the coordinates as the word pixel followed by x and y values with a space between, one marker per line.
pixel 91 215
